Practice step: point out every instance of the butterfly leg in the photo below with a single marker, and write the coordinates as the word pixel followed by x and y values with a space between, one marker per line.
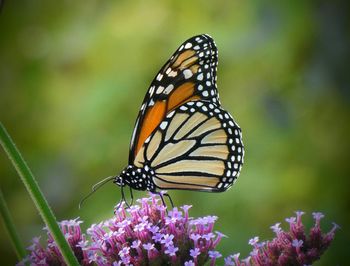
pixel 122 200
pixel 161 195
pixel 171 201
pixel 132 196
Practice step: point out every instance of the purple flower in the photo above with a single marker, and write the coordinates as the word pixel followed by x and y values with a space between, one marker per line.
pixel 195 238
pixel 297 243
pixel 213 254
pixel 139 227
pixel 194 252
pixel 253 241
pixel 148 246
pixel 211 219
pixel 167 240
pixel 175 213
pixel 291 220
pixel 171 250
pixel 208 236
pixel 157 237
pixel 189 263
pixel 229 261
pixel 154 229
pixel 299 213
pixel 186 208
pixel 151 250
pixel 134 208
pixel 317 216
pixel 236 258
pixel 276 228
pixel 136 244
pixel 124 252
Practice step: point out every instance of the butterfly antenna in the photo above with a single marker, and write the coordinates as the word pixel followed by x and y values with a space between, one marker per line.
pixel 94 188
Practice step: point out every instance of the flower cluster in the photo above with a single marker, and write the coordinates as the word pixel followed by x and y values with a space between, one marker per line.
pixel 293 247
pixel 51 255
pixel 146 234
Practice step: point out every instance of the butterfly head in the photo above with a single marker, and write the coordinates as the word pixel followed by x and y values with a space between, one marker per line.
pixel 118 180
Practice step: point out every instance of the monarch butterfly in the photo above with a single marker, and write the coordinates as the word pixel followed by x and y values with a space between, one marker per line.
pixel 183 138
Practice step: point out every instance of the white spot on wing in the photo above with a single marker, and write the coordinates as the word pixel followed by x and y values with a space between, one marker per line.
pixel 160 90
pixel 171 114
pixel 163 125
pixel 187 73
pixel 172 74
pixel 169 89
pixel 151 90
pixel 188 45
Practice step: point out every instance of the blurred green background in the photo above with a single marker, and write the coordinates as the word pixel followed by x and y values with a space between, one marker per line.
pixel 74 73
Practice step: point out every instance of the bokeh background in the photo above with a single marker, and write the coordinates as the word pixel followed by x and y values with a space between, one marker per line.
pixel 74 73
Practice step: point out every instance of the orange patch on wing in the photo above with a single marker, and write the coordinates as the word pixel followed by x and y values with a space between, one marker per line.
pixel 188 62
pixel 154 116
pixel 180 95
pixel 183 56
pixel 194 68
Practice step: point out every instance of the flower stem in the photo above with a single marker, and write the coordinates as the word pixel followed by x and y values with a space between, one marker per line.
pixel 37 196
pixel 11 229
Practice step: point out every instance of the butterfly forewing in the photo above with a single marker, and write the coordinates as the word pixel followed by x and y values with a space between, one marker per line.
pixel 189 75
pixel 197 146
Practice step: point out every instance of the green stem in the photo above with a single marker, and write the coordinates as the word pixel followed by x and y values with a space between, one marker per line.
pixel 11 229
pixel 36 195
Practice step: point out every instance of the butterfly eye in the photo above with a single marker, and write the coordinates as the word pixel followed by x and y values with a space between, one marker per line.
pixel 119 181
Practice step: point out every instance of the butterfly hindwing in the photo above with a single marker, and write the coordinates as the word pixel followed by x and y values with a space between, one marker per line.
pixel 190 74
pixel 197 146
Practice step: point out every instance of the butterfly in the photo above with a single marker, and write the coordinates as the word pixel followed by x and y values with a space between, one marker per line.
pixel 183 138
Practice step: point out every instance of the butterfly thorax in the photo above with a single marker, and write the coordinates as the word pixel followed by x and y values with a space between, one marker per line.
pixel 136 178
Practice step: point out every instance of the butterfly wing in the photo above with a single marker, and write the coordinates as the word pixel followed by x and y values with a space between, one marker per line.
pixel 190 74
pixel 198 146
